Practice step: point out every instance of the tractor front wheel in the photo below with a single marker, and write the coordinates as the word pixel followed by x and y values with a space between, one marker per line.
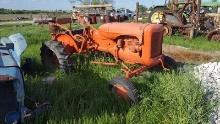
pixel 124 89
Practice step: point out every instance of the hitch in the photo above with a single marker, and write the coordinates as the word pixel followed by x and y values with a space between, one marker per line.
pixel 39 109
pixel 15 117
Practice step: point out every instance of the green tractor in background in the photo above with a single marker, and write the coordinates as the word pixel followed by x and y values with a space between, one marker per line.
pixel 185 17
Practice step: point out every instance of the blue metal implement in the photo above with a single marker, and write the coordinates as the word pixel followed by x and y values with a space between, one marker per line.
pixel 12 96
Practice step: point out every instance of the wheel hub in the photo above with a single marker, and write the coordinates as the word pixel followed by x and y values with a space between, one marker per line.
pixel 157 17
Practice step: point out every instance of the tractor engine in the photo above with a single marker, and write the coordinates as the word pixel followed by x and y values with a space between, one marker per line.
pixel 130 43
pixel 135 43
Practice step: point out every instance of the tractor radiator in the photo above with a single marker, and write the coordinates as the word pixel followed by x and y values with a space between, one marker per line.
pixel 156 44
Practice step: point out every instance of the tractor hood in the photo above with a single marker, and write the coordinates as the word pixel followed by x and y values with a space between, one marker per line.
pixel 113 30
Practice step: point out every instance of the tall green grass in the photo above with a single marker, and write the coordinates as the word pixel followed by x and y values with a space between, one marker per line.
pixel 198 43
pixel 82 96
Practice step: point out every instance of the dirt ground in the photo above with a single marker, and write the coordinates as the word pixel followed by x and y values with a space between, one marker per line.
pixel 186 55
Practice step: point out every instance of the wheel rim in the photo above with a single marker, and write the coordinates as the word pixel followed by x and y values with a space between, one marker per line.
pixel 157 17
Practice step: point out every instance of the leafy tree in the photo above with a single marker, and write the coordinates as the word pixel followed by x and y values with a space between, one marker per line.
pixel 142 8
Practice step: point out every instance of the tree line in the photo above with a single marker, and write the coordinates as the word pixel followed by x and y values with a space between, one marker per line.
pixel 93 2
pixel 11 11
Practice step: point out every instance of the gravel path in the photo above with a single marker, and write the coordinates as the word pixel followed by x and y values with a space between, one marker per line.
pixel 209 76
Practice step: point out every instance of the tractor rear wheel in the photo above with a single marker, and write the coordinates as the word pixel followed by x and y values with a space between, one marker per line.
pixel 54 56
pixel 124 89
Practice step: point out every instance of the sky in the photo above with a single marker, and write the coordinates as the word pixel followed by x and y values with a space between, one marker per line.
pixel 65 4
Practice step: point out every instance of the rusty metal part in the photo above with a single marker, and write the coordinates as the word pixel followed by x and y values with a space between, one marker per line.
pixel 124 89
pixel 167 30
pixel 4 78
pixel 93 9
pixel 214 35
pixel 120 43
pixel 129 73
pixel 185 18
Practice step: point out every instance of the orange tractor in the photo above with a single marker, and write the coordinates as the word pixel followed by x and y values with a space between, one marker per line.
pixel 129 43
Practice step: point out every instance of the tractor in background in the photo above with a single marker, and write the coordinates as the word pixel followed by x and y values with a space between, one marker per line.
pixel 141 46
pixel 95 13
pixel 185 17
pixel 213 10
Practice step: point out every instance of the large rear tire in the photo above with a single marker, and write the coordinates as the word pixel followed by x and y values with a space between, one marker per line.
pixel 55 56
pixel 124 89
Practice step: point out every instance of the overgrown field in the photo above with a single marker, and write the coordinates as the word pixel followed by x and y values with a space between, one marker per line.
pixel 83 96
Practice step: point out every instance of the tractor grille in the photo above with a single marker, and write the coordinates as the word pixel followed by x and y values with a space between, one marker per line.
pixel 8 102
pixel 156 44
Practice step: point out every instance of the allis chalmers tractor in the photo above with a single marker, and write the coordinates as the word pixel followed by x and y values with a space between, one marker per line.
pixel 128 43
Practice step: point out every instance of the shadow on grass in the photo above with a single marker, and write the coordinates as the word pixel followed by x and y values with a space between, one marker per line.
pixel 81 96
